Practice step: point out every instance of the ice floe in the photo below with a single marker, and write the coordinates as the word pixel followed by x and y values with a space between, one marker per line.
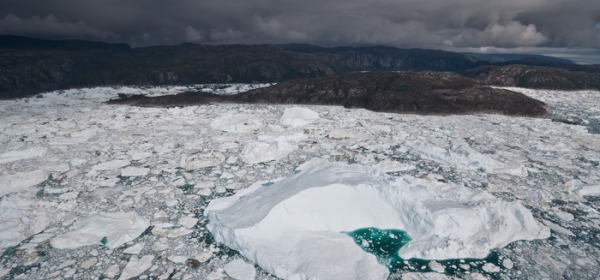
pixel 298 117
pixel 22 154
pixel 134 171
pixel 201 160
pixel 313 209
pixel 109 229
pixel 460 155
pixel 136 266
pixel 170 230
pixel 240 270
pixel 21 182
pixel 589 190
pixel 21 218
pixel 236 123
pixel 111 165
pixel 256 152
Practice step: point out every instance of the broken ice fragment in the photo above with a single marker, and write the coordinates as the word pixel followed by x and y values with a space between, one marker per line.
pixel 593 190
pixel 170 230
pixel 21 217
pixel 188 222
pixel 436 266
pixel 298 117
pixel 507 263
pixel 204 256
pixel 114 229
pixel 22 154
pixel 201 160
pixel 490 268
pixel 134 171
pixel 236 123
pixel 112 271
pixel 136 266
pixel 89 263
pixel 177 259
pixel 111 165
pixel 21 182
pixel 240 270
pixel 256 152
pixel 134 250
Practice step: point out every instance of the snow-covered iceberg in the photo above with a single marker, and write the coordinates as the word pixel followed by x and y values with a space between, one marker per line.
pixel 300 227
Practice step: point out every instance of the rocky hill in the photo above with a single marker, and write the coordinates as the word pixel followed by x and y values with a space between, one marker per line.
pixel 527 76
pixel 29 66
pixel 397 92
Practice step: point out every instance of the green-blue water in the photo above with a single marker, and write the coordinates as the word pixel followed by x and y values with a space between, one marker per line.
pixel 385 244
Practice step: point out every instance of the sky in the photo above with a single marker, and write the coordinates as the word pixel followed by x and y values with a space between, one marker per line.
pixel 556 27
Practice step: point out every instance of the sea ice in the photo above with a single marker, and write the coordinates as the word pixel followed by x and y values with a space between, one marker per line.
pixel 177 259
pixel 136 155
pixel 134 171
pixel 240 270
pixel 236 123
pixel 21 218
pixel 22 154
pixel 393 166
pixel 109 229
pixel 79 131
pixel 201 160
pixel 188 222
pixel 298 117
pixel 488 267
pixel 459 154
pixel 256 152
pixel 21 182
pixel 136 266
pixel 111 165
pixel 589 190
pixel 170 230
pixel 315 208
pixel 134 250
pixel 426 276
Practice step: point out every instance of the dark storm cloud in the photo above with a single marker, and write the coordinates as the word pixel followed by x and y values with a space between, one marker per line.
pixel 405 23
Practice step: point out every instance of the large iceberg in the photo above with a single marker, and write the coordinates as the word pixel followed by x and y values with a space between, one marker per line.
pixel 300 227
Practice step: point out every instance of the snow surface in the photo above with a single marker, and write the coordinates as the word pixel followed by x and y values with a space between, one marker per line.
pixel 324 200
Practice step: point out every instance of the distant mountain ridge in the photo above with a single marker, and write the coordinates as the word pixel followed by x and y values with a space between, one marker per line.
pixel 18 42
pixel 536 77
pixel 30 66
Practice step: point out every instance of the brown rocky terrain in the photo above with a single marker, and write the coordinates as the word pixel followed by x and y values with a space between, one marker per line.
pixel 437 93
pixel 539 77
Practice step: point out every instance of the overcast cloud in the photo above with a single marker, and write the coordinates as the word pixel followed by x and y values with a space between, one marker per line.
pixel 403 23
